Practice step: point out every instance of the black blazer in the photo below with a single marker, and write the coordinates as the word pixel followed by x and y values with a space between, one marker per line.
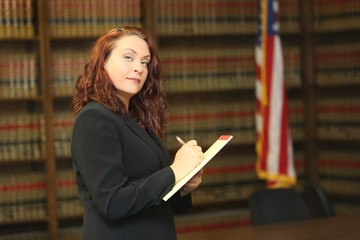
pixel 122 173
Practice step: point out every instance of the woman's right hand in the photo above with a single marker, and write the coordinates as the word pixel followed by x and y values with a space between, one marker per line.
pixel 186 159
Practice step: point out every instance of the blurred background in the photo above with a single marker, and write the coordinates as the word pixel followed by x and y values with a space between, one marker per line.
pixel 208 51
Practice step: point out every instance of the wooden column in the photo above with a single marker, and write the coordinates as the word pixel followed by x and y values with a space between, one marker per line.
pixel 149 24
pixel 309 88
pixel 46 91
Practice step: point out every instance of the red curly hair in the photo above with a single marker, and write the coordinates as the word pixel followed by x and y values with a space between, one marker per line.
pixel 148 107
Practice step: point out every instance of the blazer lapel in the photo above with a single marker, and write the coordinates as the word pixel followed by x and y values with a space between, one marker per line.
pixel 165 160
pixel 148 138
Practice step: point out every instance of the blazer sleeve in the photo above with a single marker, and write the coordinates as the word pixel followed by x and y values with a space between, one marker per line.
pixel 181 204
pixel 97 153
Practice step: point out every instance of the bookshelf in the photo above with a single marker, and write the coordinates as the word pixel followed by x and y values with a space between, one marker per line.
pixel 209 62
pixel 331 85
pixel 26 108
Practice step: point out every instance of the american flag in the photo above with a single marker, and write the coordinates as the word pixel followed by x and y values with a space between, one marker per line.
pixel 275 162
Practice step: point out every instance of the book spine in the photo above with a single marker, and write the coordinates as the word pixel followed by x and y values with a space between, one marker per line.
pixel 209 69
pixel 59 9
pixel 3 139
pixel 79 18
pixel 121 13
pixel 113 14
pixel 87 18
pixel 55 73
pixel 336 15
pixel 66 18
pixel 289 16
pixel 2 19
pixel 18 74
pixel 67 63
pixel 53 18
pixel 337 118
pixel 20 139
pixel 73 18
pixel 69 203
pixel 337 64
pixel 177 20
pixel 292 67
pixel 25 70
pixel 93 18
pixel 30 18
pixel 33 77
pixel 17 68
pixel 106 16
pixel 296 119
pixel 168 18
pixel 35 135
pixel 3 75
pixel 63 122
pixel 70 233
pixel 191 119
pixel 7 17
pixel 136 13
pixel 100 5
pixel 160 16
pixel 23 197
pixel 14 18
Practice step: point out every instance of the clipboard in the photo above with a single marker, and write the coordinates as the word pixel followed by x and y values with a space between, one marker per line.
pixel 208 155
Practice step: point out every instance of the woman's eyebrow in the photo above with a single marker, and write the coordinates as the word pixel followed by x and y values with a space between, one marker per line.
pixel 132 50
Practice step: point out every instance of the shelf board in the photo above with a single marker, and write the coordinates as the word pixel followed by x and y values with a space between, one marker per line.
pixel 19 39
pixel 246 93
pixel 340 35
pixel 338 90
pixel 71 39
pixel 239 93
pixel 338 144
pixel 22 99
pixel 23 166
pixel 62 98
pixel 20 161
pixel 223 36
pixel 350 199
pixel 208 35
pixel 75 218
pixel 23 226
pixel 211 40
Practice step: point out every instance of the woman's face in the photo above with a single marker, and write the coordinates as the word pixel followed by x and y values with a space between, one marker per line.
pixel 127 66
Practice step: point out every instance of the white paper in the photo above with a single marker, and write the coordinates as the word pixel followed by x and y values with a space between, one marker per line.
pixel 208 155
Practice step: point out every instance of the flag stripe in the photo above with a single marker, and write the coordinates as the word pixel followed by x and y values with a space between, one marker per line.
pixel 274 145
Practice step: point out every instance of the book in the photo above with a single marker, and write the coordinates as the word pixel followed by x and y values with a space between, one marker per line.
pixel 208 155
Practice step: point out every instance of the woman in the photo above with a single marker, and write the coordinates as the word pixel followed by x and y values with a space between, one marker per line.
pixel 122 169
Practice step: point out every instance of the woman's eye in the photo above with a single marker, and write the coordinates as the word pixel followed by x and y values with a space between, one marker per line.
pixel 145 64
pixel 128 58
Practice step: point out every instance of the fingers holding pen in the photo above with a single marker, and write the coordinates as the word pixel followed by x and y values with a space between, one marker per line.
pixel 186 159
pixel 195 148
pixel 192 143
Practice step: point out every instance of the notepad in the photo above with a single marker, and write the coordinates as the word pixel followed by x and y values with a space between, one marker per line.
pixel 208 155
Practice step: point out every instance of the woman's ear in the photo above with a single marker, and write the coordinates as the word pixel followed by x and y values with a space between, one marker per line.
pixel 105 64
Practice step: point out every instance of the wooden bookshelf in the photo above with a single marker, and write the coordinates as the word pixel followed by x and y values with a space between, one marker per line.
pixel 301 38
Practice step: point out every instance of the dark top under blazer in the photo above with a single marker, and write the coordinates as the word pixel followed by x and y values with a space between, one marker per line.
pixel 122 173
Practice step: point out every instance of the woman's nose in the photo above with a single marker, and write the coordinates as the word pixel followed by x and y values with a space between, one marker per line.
pixel 138 67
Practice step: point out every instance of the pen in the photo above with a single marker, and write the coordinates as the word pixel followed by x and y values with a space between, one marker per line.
pixel 180 140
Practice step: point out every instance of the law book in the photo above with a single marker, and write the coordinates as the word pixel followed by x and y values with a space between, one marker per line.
pixel 30 16
pixel 79 18
pixel 94 21
pixel 208 155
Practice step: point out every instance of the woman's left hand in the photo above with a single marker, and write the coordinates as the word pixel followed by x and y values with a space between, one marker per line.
pixel 192 184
